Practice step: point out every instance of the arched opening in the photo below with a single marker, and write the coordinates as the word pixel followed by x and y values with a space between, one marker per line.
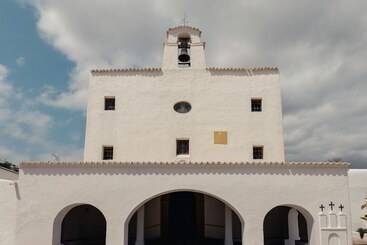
pixel 334 239
pixel 83 225
pixel 184 43
pixel 185 218
pixel 285 225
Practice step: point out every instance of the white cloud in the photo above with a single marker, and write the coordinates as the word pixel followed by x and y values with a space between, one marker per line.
pixel 25 129
pixel 20 61
pixel 3 72
pixel 319 47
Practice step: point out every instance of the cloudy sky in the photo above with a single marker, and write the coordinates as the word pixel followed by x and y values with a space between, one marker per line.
pixel 47 48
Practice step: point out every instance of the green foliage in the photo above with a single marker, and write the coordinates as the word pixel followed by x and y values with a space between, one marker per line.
pixel 361 232
pixel 9 165
pixel 364 217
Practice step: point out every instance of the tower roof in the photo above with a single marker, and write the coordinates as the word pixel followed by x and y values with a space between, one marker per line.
pixel 184 28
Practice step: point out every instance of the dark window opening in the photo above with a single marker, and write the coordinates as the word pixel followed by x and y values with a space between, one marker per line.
pixel 109 103
pixel 256 105
pixel 108 153
pixel 83 224
pixel 182 147
pixel 182 107
pixel 258 152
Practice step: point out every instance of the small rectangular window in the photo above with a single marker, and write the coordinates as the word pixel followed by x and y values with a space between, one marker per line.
pixel 107 152
pixel 109 103
pixel 258 152
pixel 256 105
pixel 182 147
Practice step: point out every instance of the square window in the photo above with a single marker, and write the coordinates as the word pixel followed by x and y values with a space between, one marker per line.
pixel 258 152
pixel 256 105
pixel 109 103
pixel 220 137
pixel 182 147
pixel 107 152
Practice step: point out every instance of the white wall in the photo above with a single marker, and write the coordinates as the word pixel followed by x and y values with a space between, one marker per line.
pixel 144 120
pixel 358 193
pixel 8 207
pixel 118 190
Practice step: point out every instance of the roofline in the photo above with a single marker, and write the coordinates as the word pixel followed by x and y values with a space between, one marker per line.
pixel 184 163
pixel 184 27
pixel 243 69
pixel 159 69
pixel 9 170
pixel 114 70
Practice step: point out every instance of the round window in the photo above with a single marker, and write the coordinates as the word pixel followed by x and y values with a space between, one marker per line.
pixel 182 107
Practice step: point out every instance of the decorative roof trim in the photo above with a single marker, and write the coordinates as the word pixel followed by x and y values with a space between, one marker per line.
pixel 183 27
pixel 109 70
pixel 244 69
pixel 159 69
pixel 183 163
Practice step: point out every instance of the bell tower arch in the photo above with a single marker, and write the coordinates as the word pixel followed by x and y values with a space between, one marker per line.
pixel 183 49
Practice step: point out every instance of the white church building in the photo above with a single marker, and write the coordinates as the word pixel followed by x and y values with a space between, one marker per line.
pixel 183 154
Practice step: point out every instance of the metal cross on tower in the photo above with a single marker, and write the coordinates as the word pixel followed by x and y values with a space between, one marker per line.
pixel 184 20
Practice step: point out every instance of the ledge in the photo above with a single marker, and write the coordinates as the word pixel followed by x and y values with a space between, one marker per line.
pixel 184 27
pixel 213 69
pixel 102 164
pixel 114 70
pixel 243 69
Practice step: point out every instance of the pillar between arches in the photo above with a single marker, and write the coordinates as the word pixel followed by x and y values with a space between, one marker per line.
pixel 253 233
pixel 114 230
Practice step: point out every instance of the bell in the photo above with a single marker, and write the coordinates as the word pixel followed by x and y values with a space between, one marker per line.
pixel 183 56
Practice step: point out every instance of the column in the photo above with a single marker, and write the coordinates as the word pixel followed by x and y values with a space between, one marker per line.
pixel 323 220
pixel 228 237
pixel 333 220
pixel 140 227
pixel 253 229
pixel 342 220
pixel 293 228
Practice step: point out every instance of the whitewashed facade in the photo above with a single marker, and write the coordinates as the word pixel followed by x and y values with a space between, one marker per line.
pixel 154 175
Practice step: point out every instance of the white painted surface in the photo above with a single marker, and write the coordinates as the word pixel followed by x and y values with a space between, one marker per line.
pixel 336 233
pixel 251 191
pixel 293 230
pixel 144 120
pixel 8 207
pixel 358 193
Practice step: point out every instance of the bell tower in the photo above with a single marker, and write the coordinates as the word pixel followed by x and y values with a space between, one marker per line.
pixel 183 49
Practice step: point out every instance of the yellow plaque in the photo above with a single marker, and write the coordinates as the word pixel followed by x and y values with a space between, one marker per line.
pixel 220 137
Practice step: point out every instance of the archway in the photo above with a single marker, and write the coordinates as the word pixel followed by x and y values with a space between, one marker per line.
pixel 185 218
pixel 285 225
pixel 83 225
pixel 334 239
